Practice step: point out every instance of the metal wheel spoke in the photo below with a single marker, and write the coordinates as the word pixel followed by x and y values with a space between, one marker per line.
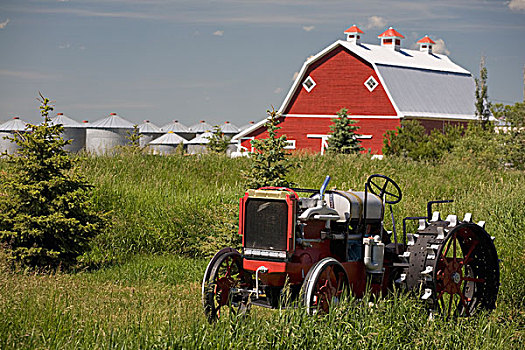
pixel 454 254
pixel 467 257
pixel 462 298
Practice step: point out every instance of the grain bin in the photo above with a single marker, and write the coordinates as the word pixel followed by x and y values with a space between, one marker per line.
pixel 73 130
pixel 199 144
pixel 166 144
pixel 229 129
pixel 7 129
pixel 201 127
pixel 179 129
pixel 148 132
pixel 103 135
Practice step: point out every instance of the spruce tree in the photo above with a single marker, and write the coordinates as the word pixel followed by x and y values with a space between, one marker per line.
pixel 46 216
pixel 218 143
pixel 343 138
pixel 270 164
pixel 482 102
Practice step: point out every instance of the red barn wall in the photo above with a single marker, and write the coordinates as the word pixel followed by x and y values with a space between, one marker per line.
pixel 439 124
pixel 298 129
pixel 340 76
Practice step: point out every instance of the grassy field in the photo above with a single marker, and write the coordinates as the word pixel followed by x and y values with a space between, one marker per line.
pixel 170 213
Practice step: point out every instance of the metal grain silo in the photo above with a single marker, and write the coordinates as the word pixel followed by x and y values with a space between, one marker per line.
pixel 148 132
pixel 229 129
pixel 166 144
pixel 7 129
pixel 105 134
pixel 73 130
pixel 199 144
pixel 179 129
pixel 201 127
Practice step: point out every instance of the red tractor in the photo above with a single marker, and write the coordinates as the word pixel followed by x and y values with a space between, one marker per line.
pixel 322 243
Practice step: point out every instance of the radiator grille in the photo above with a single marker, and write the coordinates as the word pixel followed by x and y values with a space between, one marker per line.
pixel 265 224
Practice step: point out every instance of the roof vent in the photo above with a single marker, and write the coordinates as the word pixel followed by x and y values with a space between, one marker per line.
pixel 85 121
pixel 391 38
pixel 60 113
pixel 112 113
pixel 353 34
pixel 146 121
pixel 16 117
pixel 425 44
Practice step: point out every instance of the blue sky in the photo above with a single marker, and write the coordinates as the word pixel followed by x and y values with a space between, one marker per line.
pixel 226 59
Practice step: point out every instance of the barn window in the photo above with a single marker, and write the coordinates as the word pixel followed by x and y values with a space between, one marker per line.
pixel 290 144
pixel 309 84
pixel 371 84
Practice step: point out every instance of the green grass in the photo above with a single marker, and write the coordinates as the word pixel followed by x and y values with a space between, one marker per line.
pixel 169 213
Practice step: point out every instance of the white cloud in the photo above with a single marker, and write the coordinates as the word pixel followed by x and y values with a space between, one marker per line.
pixel 278 90
pixel 295 75
pixel 375 22
pixel 218 33
pixel 4 23
pixel 308 28
pixel 517 5
pixel 440 47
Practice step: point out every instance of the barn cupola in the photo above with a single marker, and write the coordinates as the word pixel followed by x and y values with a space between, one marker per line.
pixel 391 38
pixel 425 44
pixel 353 34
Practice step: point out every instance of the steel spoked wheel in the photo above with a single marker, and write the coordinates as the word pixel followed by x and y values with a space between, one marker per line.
pixel 324 286
pixel 456 267
pixel 225 275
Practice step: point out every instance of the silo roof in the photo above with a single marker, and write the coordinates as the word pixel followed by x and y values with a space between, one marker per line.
pixel 65 121
pixel 175 126
pixel 112 121
pixel 148 127
pixel 201 139
pixel 202 126
pixel 15 124
pixel 170 138
pixel 229 128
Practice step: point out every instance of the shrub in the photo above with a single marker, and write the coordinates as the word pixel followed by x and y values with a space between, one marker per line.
pixel 46 216
pixel 218 142
pixel 343 135
pixel 269 161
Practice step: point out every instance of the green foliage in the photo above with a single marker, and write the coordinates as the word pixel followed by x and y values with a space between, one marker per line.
pixel 270 164
pixel 343 135
pixel 46 217
pixel 482 98
pixel 218 142
pixel 411 141
pixel 133 141
pixel 512 134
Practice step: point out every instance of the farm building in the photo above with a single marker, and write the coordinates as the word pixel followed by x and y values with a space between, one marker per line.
pixel 148 132
pixel 103 135
pixel 73 130
pixel 379 85
pixel 201 127
pixel 166 144
pixel 179 129
pixel 7 129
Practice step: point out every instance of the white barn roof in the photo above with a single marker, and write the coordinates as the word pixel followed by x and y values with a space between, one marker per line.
pixel 112 121
pixel 15 124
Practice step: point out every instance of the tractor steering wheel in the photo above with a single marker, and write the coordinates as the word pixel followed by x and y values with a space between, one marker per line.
pixel 380 188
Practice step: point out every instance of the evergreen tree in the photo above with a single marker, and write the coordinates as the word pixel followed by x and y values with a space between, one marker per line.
pixel 133 141
pixel 482 101
pixel 343 138
pixel 218 142
pixel 270 164
pixel 46 216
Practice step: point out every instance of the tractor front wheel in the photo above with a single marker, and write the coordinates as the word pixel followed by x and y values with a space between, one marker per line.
pixel 324 285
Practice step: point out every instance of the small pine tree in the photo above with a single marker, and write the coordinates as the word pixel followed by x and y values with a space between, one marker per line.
pixel 343 138
pixel 46 216
pixel 218 142
pixel 134 140
pixel 270 164
pixel 482 102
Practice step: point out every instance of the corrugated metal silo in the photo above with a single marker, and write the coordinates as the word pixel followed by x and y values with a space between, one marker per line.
pixel 201 127
pixel 179 129
pixel 166 144
pixel 10 127
pixel 73 130
pixel 148 132
pixel 105 134
pixel 229 129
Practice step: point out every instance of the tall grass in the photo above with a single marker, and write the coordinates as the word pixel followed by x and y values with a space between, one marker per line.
pixel 168 210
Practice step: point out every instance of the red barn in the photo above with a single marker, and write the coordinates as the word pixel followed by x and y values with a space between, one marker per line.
pixel 380 85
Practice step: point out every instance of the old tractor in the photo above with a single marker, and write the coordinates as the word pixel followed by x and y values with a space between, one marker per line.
pixel 321 243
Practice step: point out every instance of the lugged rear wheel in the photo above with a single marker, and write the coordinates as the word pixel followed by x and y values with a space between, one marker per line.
pixel 456 267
